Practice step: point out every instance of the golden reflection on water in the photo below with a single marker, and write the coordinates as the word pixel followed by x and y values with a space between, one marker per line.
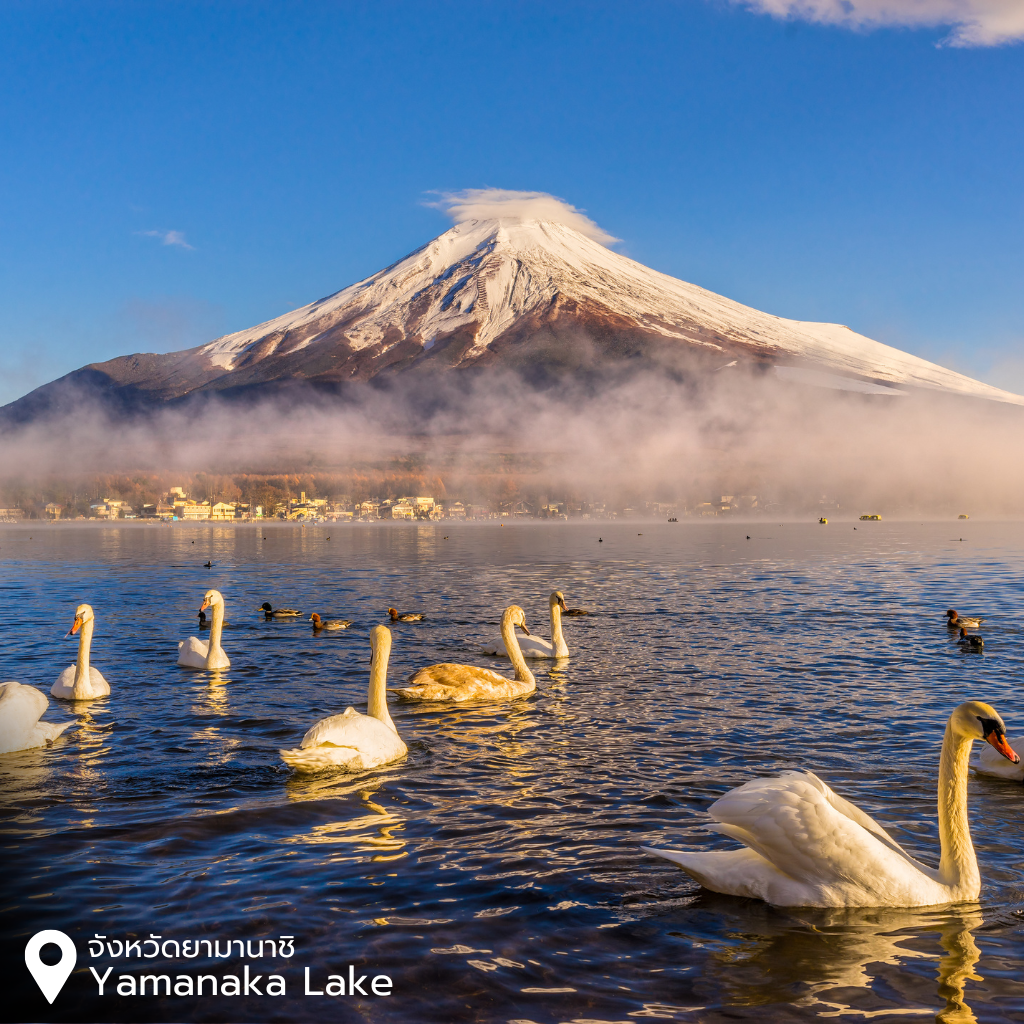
pixel 370 829
pixel 213 700
pixel 821 953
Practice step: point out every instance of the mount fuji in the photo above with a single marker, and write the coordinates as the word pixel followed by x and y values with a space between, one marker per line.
pixel 509 288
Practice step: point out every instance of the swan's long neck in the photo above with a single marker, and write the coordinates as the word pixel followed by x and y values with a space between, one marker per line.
pixel 377 701
pixel 82 664
pixel 557 640
pixel 217 626
pixel 508 634
pixel 958 866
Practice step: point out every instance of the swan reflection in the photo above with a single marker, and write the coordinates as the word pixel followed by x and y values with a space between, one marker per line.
pixel 819 958
pixel 212 699
pixel 369 828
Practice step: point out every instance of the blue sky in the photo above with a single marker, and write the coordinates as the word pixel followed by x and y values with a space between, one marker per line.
pixel 870 176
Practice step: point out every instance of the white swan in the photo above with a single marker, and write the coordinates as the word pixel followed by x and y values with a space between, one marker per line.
pixel 535 646
pixel 81 681
pixel 806 846
pixel 21 707
pixel 989 762
pixel 195 653
pixel 353 741
pixel 467 682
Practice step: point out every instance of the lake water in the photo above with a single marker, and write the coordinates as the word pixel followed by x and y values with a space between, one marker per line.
pixel 496 873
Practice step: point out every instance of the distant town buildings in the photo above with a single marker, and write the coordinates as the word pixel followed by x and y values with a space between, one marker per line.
pixel 177 504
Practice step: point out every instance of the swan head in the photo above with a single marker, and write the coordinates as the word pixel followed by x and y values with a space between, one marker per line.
pixel 380 644
pixel 83 614
pixel 557 599
pixel 981 721
pixel 517 617
pixel 211 598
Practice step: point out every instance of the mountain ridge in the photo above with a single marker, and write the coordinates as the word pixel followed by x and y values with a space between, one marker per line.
pixel 534 295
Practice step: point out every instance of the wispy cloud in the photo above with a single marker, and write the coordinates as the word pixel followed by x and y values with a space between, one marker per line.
pixel 168 238
pixel 509 204
pixel 973 22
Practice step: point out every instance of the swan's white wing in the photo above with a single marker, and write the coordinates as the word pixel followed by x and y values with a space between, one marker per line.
pixel 192 653
pixel 65 683
pixel 349 740
pixel 21 707
pixel 793 825
pixel 989 761
pixel 851 811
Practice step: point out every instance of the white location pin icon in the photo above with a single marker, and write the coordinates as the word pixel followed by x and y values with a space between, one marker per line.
pixel 50 979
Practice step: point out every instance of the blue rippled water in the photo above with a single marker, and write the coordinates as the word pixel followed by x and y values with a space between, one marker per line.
pixel 496 873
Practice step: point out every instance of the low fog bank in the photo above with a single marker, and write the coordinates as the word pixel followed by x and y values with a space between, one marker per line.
pixel 646 438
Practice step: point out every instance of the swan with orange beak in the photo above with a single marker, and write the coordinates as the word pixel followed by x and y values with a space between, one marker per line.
pixel 806 846
pixel 195 653
pixel 81 681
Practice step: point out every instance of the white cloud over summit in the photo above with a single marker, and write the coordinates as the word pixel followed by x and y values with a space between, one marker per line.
pixel 973 22
pixel 508 204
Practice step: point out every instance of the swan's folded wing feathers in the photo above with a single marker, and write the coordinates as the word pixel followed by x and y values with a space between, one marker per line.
pixel 852 811
pixel 791 823
pixel 330 730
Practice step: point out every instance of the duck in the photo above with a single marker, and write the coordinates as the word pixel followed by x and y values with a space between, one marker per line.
pixel 278 613
pixel 955 621
pixel 21 708
pixel 81 681
pixel 990 762
pixel 352 741
pixel 535 646
pixel 319 623
pixel 576 612
pixel 970 642
pixel 459 683
pixel 203 621
pixel 805 846
pixel 209 656
pixel 397 616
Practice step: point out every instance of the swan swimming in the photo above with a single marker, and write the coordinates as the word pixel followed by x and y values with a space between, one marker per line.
pixel 195 653
pixel 466 682
pixel 989 762
pixel 350 740
pixel 81 681
pixel 535 646
pixel 21 707
pixel 808 847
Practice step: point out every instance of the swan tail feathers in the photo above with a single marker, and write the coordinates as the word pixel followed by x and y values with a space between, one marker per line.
pixel 315 759
pixel 732 872
pixel 51 730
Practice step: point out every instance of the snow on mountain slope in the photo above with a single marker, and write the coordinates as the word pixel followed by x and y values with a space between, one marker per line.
pixel 486 275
